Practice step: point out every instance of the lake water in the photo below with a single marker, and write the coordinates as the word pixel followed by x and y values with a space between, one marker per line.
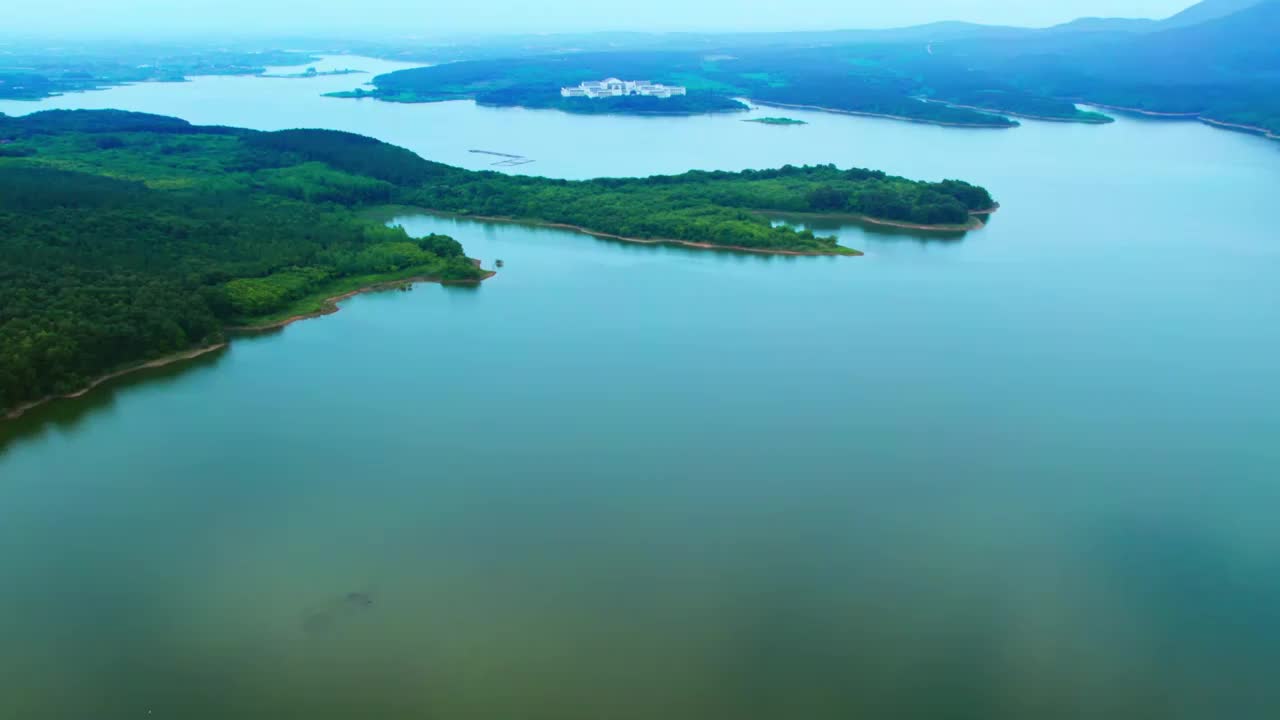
pixel 1032 472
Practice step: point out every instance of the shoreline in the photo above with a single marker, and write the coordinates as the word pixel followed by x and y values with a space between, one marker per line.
pixel 1237 127
pixel 629 113
pixel 330 305
pixel 976 223
pixel 1222 124
pixel 975 220
pixel 1026 116
pixel 350 95
pixel 862 113
pixel 1140 111
pixel 175 358
pixel 643 241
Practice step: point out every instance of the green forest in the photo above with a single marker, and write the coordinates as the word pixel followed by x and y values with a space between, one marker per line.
pixel 126 237
pixel 719 208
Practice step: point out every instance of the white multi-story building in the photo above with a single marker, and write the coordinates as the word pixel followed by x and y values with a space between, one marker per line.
pixel 613 87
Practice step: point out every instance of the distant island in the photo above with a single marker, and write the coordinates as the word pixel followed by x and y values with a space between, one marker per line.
pixel 312 72
pixel 776 121
pixel 133 238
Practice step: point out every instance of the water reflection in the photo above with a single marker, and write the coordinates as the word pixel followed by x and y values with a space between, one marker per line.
pixel 67 415
pixel 875 231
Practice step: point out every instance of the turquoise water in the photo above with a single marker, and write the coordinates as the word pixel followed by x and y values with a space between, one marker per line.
pixel 1027 473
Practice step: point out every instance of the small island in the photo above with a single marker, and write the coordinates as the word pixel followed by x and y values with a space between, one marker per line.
pixel 776 121
pixel 539 98
pixel 136 239
pixel 313 73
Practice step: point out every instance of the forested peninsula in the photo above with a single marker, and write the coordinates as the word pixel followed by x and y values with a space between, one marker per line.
pixel 127 237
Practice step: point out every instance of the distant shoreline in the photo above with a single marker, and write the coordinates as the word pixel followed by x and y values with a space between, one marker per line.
pixel 183 356
pixel 1140 111
pixel 1237 127
pixel 1223 124
pixel 1104 120
pixel 862 113
pixel 361 94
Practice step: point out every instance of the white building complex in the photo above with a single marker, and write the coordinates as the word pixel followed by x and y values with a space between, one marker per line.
pixel 613 87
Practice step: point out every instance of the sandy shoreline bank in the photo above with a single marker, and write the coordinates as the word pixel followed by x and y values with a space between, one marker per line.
pixel 975 224
pixel 21 410
pixel 922 121
pixel 975 220
pixel 1140 111
pixel 1238 127
pixel 643 241
pixel 1025 116
pixel 1251 129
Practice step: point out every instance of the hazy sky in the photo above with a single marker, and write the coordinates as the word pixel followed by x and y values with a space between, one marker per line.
pixel 410 17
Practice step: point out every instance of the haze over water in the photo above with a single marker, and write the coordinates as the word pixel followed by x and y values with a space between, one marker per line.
pixel 1028 473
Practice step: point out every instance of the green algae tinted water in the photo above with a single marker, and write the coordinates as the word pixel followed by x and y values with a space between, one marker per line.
pixel 1027 473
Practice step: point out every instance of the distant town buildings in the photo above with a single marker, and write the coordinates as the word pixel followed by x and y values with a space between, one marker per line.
pixel 613 87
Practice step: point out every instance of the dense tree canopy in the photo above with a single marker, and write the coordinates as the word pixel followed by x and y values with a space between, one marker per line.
pixel 113 253
pixel 720 208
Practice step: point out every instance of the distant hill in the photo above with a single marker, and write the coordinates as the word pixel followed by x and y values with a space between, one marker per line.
pixel 1206 11
pixel 1246 40
pixel 1219 60
pixel 1234 50
pixel 1201 12
pixel 1098 24
pixel 1225 68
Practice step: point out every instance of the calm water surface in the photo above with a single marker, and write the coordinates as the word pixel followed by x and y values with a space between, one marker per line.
pixel 1030 473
